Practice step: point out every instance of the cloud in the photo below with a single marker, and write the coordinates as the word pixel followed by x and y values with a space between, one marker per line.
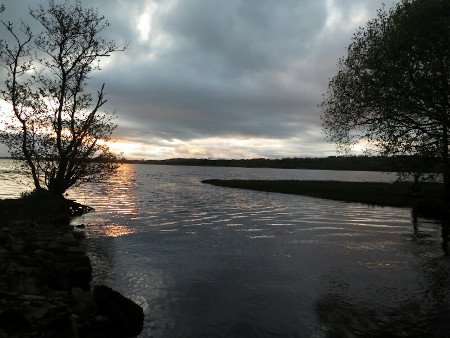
pixel 205 70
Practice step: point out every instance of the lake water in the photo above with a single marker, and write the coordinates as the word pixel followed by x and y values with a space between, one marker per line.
pixel 206 261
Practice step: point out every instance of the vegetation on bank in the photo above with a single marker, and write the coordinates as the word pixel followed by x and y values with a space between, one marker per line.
pixel 392 90
pixel 357 163
pixel 400 164
pixel 41 205
pixel 398 194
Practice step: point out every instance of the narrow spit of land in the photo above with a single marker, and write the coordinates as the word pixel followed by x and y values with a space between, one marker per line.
pixel 397 194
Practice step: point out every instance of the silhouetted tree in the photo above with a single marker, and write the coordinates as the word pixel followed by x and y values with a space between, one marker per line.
pixel 393 88
pixel 57 127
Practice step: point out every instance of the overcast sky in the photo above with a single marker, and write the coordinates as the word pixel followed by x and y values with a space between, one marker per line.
pixel 221 78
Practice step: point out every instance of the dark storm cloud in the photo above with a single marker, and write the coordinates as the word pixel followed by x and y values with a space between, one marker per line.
pixel 217 74
pixel 212 68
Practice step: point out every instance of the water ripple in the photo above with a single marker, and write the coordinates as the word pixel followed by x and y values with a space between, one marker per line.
pixel 204 260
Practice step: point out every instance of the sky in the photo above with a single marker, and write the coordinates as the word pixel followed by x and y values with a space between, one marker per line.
pixel 220 79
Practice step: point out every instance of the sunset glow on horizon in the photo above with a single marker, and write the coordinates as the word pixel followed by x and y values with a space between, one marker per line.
pixel 213 79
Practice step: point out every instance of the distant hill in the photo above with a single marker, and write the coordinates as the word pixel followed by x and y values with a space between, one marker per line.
pixel 358 163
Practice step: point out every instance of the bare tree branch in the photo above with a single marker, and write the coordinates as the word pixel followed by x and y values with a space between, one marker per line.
pixel 58 125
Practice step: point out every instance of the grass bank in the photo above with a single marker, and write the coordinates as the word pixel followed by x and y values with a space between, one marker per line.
pixel 397 194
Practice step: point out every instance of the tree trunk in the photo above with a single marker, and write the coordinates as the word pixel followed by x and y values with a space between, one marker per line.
pixel 29 159
pixel 57 187
pixel 36 182
pixel 446 171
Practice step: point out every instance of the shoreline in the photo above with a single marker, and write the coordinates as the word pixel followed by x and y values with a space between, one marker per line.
pixel 337 163
pixel 397 194
pixel 46 277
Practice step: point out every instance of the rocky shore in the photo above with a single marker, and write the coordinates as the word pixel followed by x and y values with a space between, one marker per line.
pixel 45 280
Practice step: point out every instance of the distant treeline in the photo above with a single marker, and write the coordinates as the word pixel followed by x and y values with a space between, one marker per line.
pixel 359 163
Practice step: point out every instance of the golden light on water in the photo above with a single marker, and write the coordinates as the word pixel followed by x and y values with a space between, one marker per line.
pixel 115 197
pixel 111 230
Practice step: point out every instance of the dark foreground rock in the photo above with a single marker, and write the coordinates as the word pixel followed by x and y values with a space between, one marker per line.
pixel 127 317
pixel 45 281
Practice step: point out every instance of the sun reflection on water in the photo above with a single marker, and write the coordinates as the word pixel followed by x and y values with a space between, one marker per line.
pixel 111 230
pixel 114 202
pixel 195 256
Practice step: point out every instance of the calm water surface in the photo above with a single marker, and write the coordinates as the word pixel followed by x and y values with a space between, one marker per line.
pixel 207 261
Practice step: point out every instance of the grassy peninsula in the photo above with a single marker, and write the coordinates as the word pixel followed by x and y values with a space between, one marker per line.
pixel 397 194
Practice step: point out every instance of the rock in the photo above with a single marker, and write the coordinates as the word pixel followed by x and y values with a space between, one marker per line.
pixel 125 316
pixel 41 244
pixel 80 272
pixel 40 262
pixel 78 209
pixel 75 324
pixel 101 318
pixel 60 294
pixel 66 239
pixel 38 312
pixel 79 234
pixel 19 223
pixel 25 284
pixel 17 247
pixel 25 260
pixel 39 252
pixel 15 267
pixel 80 226
pixel 53 246
pixel 74 249
pixel 5 294
pixel 13 322
pixel 83 299
pixel 33 297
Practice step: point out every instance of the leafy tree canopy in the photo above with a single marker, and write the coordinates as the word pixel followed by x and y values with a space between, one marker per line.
pixel 392 90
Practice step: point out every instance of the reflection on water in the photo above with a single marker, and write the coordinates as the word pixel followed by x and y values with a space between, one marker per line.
pixel 114 198
pixel 110 230
pixel 425 314
pixel 13 181
pixel 117 194
pixel 211 261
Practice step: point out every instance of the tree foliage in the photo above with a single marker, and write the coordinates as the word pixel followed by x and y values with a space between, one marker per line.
pixel 57 126
pixel 392 90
